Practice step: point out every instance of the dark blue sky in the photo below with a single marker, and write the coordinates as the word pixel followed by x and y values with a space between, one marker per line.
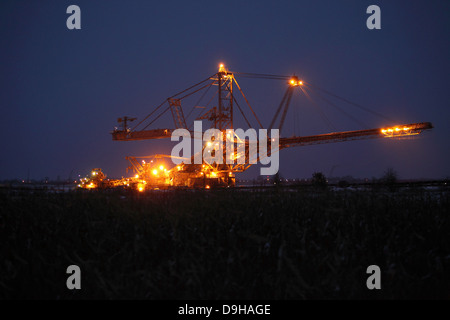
pixel 62 90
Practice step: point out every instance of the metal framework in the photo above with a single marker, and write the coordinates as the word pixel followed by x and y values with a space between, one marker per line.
pixel 177 113
pixel 221 117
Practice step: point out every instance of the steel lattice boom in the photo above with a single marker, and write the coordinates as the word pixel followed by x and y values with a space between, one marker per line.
pixel 152 172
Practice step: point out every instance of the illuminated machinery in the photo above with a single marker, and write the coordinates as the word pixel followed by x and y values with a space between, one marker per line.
pixel 158 170
pixel 95 181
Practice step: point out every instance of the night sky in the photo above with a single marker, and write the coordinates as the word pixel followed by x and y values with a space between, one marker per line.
pixel 63 90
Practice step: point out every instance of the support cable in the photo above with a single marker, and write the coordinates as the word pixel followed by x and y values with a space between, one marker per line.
pixel 149 115
pixel 286 107
pixel 262 76
pixel 279 109
pixel 248 103
pixel 157 117
pixel 322 114
pixel 360 123
pixel 350 102
pixel 199 100
pixel 191 93
pixel 206 106
pixel 240 109
pixel 191 87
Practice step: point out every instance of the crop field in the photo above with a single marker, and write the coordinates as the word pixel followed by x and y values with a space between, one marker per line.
pixel 225 244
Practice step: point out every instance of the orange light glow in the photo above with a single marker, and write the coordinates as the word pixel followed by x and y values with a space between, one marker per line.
pixel 207 187
pixel 161 167
pixel 155 172
pixel 398 131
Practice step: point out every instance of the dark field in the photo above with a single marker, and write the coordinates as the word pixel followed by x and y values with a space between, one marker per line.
pixel 226 244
